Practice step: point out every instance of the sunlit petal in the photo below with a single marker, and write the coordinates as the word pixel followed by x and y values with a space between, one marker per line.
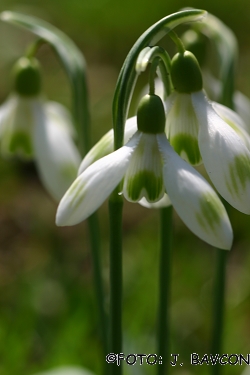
pixel 144 174
pixel 182 127
pixel 225 156
pixel 56 155
pixel 106 144
pixel 94 185
pixel 194 199
pixel 234 120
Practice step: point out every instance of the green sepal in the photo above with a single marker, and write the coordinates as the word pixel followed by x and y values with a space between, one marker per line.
pixel 151 115
pixel 27 77
pixel 185 73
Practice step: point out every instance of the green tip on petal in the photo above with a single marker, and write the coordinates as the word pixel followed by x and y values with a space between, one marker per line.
pixel 185 73
pixel 20 143
pixel 151 115
pixel 27 77
pixel 145 183
pixel 239 171
pixel 187 147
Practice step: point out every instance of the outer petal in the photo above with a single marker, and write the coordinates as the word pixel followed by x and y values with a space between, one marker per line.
pixel 194 199
pixel 182 127
pixel 163 202
pixel 225 156
pixel 56 155
pixel 59 112
pixel 242 107
pixel 94 185
pixel 234 120
pixel 106 144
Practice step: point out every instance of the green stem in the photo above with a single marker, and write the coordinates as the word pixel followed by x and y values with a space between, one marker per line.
pixel 115 344
pixel 177 41
pixel 164 290
pixel 218 308
pixel 95 244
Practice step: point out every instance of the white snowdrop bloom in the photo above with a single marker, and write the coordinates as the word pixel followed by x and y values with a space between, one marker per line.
pixel 38 130
pixel 201 131
pixel 149 167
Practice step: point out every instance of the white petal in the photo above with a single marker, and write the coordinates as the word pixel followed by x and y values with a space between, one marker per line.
pixel 144 174
pixel 242 107
pixel 94 185
pixel 225 156
pixel 56 155
pixel 182 127
pixel 106 144
pixel 163 202
pixel 57 112
pixel 233 120
pixel 194 199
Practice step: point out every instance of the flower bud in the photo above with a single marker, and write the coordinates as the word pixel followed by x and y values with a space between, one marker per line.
pixel 151 115
pixel 185 73
pixel 27 77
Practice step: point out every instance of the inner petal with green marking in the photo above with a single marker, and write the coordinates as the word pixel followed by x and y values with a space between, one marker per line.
pixel 182 128
pixel 144 174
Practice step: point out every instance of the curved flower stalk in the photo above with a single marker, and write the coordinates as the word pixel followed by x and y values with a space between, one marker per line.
pixel 199 134
pixel 35 129
pixel 149 166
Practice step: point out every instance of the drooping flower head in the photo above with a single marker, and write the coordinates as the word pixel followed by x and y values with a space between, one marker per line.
pixel 32 128
pixel 199 133
pixel 149 168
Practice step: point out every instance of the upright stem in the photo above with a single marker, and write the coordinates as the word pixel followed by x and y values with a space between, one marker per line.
pixel 218 308
pixel 95 247
pixel 164 290
pixel 115 344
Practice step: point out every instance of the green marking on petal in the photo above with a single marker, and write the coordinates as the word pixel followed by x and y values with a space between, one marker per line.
pixel 239 171
pixel 76 191
pixel 187 147
pixel 20 142
pixel 69 171
pixel 211 212
pixel 147 180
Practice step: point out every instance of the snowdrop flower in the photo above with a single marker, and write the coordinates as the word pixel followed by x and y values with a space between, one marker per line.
pixel 149 166
pixel 35 129
pixel 201 131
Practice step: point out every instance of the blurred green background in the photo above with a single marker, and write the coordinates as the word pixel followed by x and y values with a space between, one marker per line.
pixel 47 306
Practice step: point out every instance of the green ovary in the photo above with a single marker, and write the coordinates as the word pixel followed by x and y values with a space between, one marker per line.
pixel 187 147
pixel 20 142
pixel 147 181
pixel 211 212
pixel 239 171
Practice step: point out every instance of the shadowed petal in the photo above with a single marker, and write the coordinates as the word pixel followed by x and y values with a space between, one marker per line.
pixel 225 156
pixel 194 199
pixel 56 155
pixel 182 127
pixel 106 144
pixel 94 185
